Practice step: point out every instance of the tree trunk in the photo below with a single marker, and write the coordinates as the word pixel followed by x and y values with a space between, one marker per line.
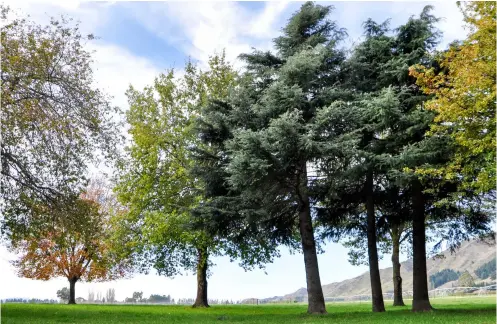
pixel 314 290
pixel 72 290
pixel 201 300
pixel 397 279
pixel 420 300
pixel 374 270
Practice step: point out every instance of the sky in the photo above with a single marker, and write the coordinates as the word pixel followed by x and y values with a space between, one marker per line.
pixel 139 40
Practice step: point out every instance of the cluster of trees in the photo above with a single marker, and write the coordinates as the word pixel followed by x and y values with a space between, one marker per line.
pixel 32 300
pixel 110 295
pixel 387 145
pixel 487 270
pixel 308 140
pixel 161 299
pixel 135 298
pixel 442 277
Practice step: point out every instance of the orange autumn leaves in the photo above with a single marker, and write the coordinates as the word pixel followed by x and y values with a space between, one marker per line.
pixel 77 246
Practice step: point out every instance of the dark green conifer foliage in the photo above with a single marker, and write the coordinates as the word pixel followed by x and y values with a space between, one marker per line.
pixel 270 147
pixel 388 123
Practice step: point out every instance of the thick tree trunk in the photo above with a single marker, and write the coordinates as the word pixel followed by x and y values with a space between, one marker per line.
pixel 397 278
pixel 314 290
pixel 374 270
pixel 420 301
pixel 72 290
pixel 201 300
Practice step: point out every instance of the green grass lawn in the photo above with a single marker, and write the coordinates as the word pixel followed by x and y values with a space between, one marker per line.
pixel 463 310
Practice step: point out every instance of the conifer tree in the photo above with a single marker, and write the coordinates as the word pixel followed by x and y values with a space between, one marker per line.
pixel 269 147
pixel 388 123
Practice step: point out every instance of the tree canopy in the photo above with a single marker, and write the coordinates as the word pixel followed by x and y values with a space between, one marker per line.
pixel 76 245
pixel 54 121
pixel 463 89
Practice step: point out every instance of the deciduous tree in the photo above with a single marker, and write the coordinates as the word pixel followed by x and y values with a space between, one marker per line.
pixel 463 89
pixel 154 178
pixel 76 246
pixel 63 294
pixel 54 120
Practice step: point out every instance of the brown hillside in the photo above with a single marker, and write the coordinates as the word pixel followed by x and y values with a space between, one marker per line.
pixel 469 256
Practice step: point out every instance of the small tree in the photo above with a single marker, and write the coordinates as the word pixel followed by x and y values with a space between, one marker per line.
pixel 76 246
pixel 63 294
pixel 138 296
pixel 466 280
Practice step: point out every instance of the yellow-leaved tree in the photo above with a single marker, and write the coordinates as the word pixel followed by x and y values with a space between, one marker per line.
pixel 463 89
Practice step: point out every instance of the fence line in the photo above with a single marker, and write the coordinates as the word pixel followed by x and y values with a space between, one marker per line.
pixel 434 293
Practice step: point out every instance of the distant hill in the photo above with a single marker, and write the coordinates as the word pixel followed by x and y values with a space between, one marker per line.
pixel 470 256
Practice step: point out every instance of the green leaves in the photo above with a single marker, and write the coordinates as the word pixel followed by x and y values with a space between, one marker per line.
pixel 154 178
pixel 54 121
pixel 463 89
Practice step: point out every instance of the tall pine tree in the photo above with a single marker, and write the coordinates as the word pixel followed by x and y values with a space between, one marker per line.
pixel 388 123
pixel 268 155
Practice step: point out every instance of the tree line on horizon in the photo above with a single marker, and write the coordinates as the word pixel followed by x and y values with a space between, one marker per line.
pixel 383 147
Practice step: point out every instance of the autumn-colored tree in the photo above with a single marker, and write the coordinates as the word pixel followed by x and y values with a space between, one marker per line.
pixel 76 246
pixel 463 89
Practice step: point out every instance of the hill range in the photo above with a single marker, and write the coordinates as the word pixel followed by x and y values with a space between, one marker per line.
pixel 469 257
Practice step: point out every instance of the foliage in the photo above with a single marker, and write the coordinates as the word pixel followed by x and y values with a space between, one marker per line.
pixel 463 90
pixel 267 126
pixel 63 294
pixel 54 121
pixel 486 270
pixel 263 137
pixel 466 280
pixel 443 276
pixel 154 180
pixel 385 132
pixel 138 295
pixel 379 129
pixel 76 246
pixel 159 299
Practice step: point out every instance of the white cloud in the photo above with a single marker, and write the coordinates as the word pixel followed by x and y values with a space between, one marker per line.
pixel 263 25
pixel 116 68
pixel 202 28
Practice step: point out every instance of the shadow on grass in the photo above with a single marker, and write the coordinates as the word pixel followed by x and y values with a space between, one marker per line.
pixel 145 314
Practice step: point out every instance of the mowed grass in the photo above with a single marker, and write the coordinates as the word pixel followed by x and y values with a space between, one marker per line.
pixel 463 310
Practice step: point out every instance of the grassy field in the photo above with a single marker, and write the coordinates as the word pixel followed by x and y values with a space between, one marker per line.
pixel 463 310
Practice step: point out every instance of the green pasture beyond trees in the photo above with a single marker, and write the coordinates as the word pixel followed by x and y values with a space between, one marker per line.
pixel 463 310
